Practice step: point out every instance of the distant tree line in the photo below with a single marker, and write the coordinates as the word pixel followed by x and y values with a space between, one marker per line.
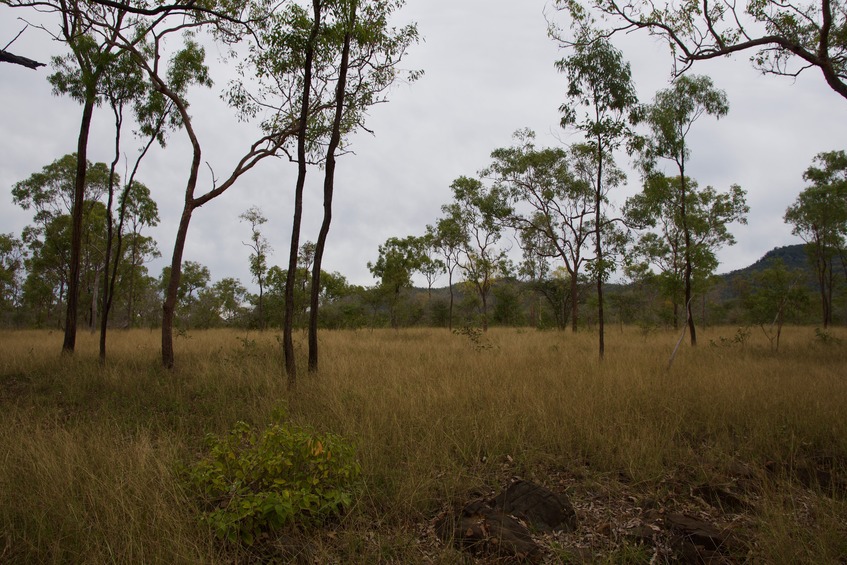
pixel 308 72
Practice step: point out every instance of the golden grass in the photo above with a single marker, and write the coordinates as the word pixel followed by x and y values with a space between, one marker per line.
pixel 91 456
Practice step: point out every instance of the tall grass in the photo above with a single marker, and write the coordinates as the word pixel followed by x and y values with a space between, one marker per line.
pixel 91 455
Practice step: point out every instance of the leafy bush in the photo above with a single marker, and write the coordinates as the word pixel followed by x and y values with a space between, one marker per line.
pixel 255 482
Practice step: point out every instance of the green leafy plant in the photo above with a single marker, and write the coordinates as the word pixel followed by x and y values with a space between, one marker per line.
pixel 254 482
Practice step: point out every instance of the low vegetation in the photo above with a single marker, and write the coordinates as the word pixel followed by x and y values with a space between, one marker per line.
pixel 97 461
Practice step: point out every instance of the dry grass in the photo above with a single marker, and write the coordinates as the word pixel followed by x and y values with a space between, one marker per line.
pixel 91 456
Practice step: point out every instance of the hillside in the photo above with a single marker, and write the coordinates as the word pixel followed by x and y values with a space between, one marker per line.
pixel 793 256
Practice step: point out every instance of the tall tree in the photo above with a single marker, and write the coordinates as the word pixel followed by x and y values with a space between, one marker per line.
pixel 78 75
pixel 708 214
pixel 777 294
pixel 449 239
pixel 786 38
pixel 308 55
pixel 480 211
pixel 369 54
pixel 51 193
pixel 145 40
pixel 12 255
pixel 670 117
pixel 123 84
pixel 260 249
pixel 600 82
pixel 431 266
pixel 819 217
pixel 558 204
pixel 398 260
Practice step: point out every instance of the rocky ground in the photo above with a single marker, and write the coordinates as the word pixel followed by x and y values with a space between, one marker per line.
pixel 674 519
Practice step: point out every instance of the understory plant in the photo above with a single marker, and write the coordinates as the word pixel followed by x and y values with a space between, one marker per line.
pixel 254 482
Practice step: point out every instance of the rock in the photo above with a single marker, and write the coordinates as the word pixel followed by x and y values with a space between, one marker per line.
pixel 501 526
pixel 543 509
pixel 482 529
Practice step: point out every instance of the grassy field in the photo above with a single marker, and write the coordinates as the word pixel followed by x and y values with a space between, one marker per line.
pixel 91 457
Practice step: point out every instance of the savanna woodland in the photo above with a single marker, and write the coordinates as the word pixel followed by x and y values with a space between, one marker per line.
pixel 547 372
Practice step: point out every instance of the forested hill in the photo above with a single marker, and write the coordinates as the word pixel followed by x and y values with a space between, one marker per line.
pixel 792 256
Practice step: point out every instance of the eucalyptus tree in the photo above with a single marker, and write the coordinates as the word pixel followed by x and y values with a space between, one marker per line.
pixel 670 117
pixel 321 68
pixel 549 202
pixel 785 38
pixel 193 281
pixel 51 194
pixel 480 210
pixel 431 266
pixel 370 51
pixel 145 38
pixel 260 249
pixel 138 209
pixel 819 217
pixel 777 294
pixel 449 237
pixel 599 83
pixel 398 260
pixel 123 85
pixel 12 256
pixel 683 262
pixel 78 75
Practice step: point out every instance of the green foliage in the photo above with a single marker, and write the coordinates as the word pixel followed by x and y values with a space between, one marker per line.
pixel 707 214
pixel 672 114
pixel 12 255
pixel 819 217
pixel 398 260
pixel 255 482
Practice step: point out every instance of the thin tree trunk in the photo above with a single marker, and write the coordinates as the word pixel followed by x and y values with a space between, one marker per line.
pixel 329 184
pixel 261 309
pixel 688 313
pixel 574 288
pixel 598 199
pixel 130 314
pixel 450 284
pixel 76 226
pixel 107 288
pixel 169 305
pixel 288 321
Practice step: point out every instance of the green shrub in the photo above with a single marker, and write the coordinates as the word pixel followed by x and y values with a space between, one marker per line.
pixel 255 482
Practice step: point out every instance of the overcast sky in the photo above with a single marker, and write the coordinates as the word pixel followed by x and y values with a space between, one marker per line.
pixel 489 70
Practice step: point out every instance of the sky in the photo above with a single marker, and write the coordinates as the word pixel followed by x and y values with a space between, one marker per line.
pixel 488 71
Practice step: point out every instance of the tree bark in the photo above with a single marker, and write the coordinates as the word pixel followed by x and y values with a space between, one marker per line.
pixel 574 289
pixel 288 321
pixel 686 233
pixel 6 57
pixel 329 185
pixel 107 287
pixel 598 199
pixel 76 226
pixel 169 305
pixel 450 314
